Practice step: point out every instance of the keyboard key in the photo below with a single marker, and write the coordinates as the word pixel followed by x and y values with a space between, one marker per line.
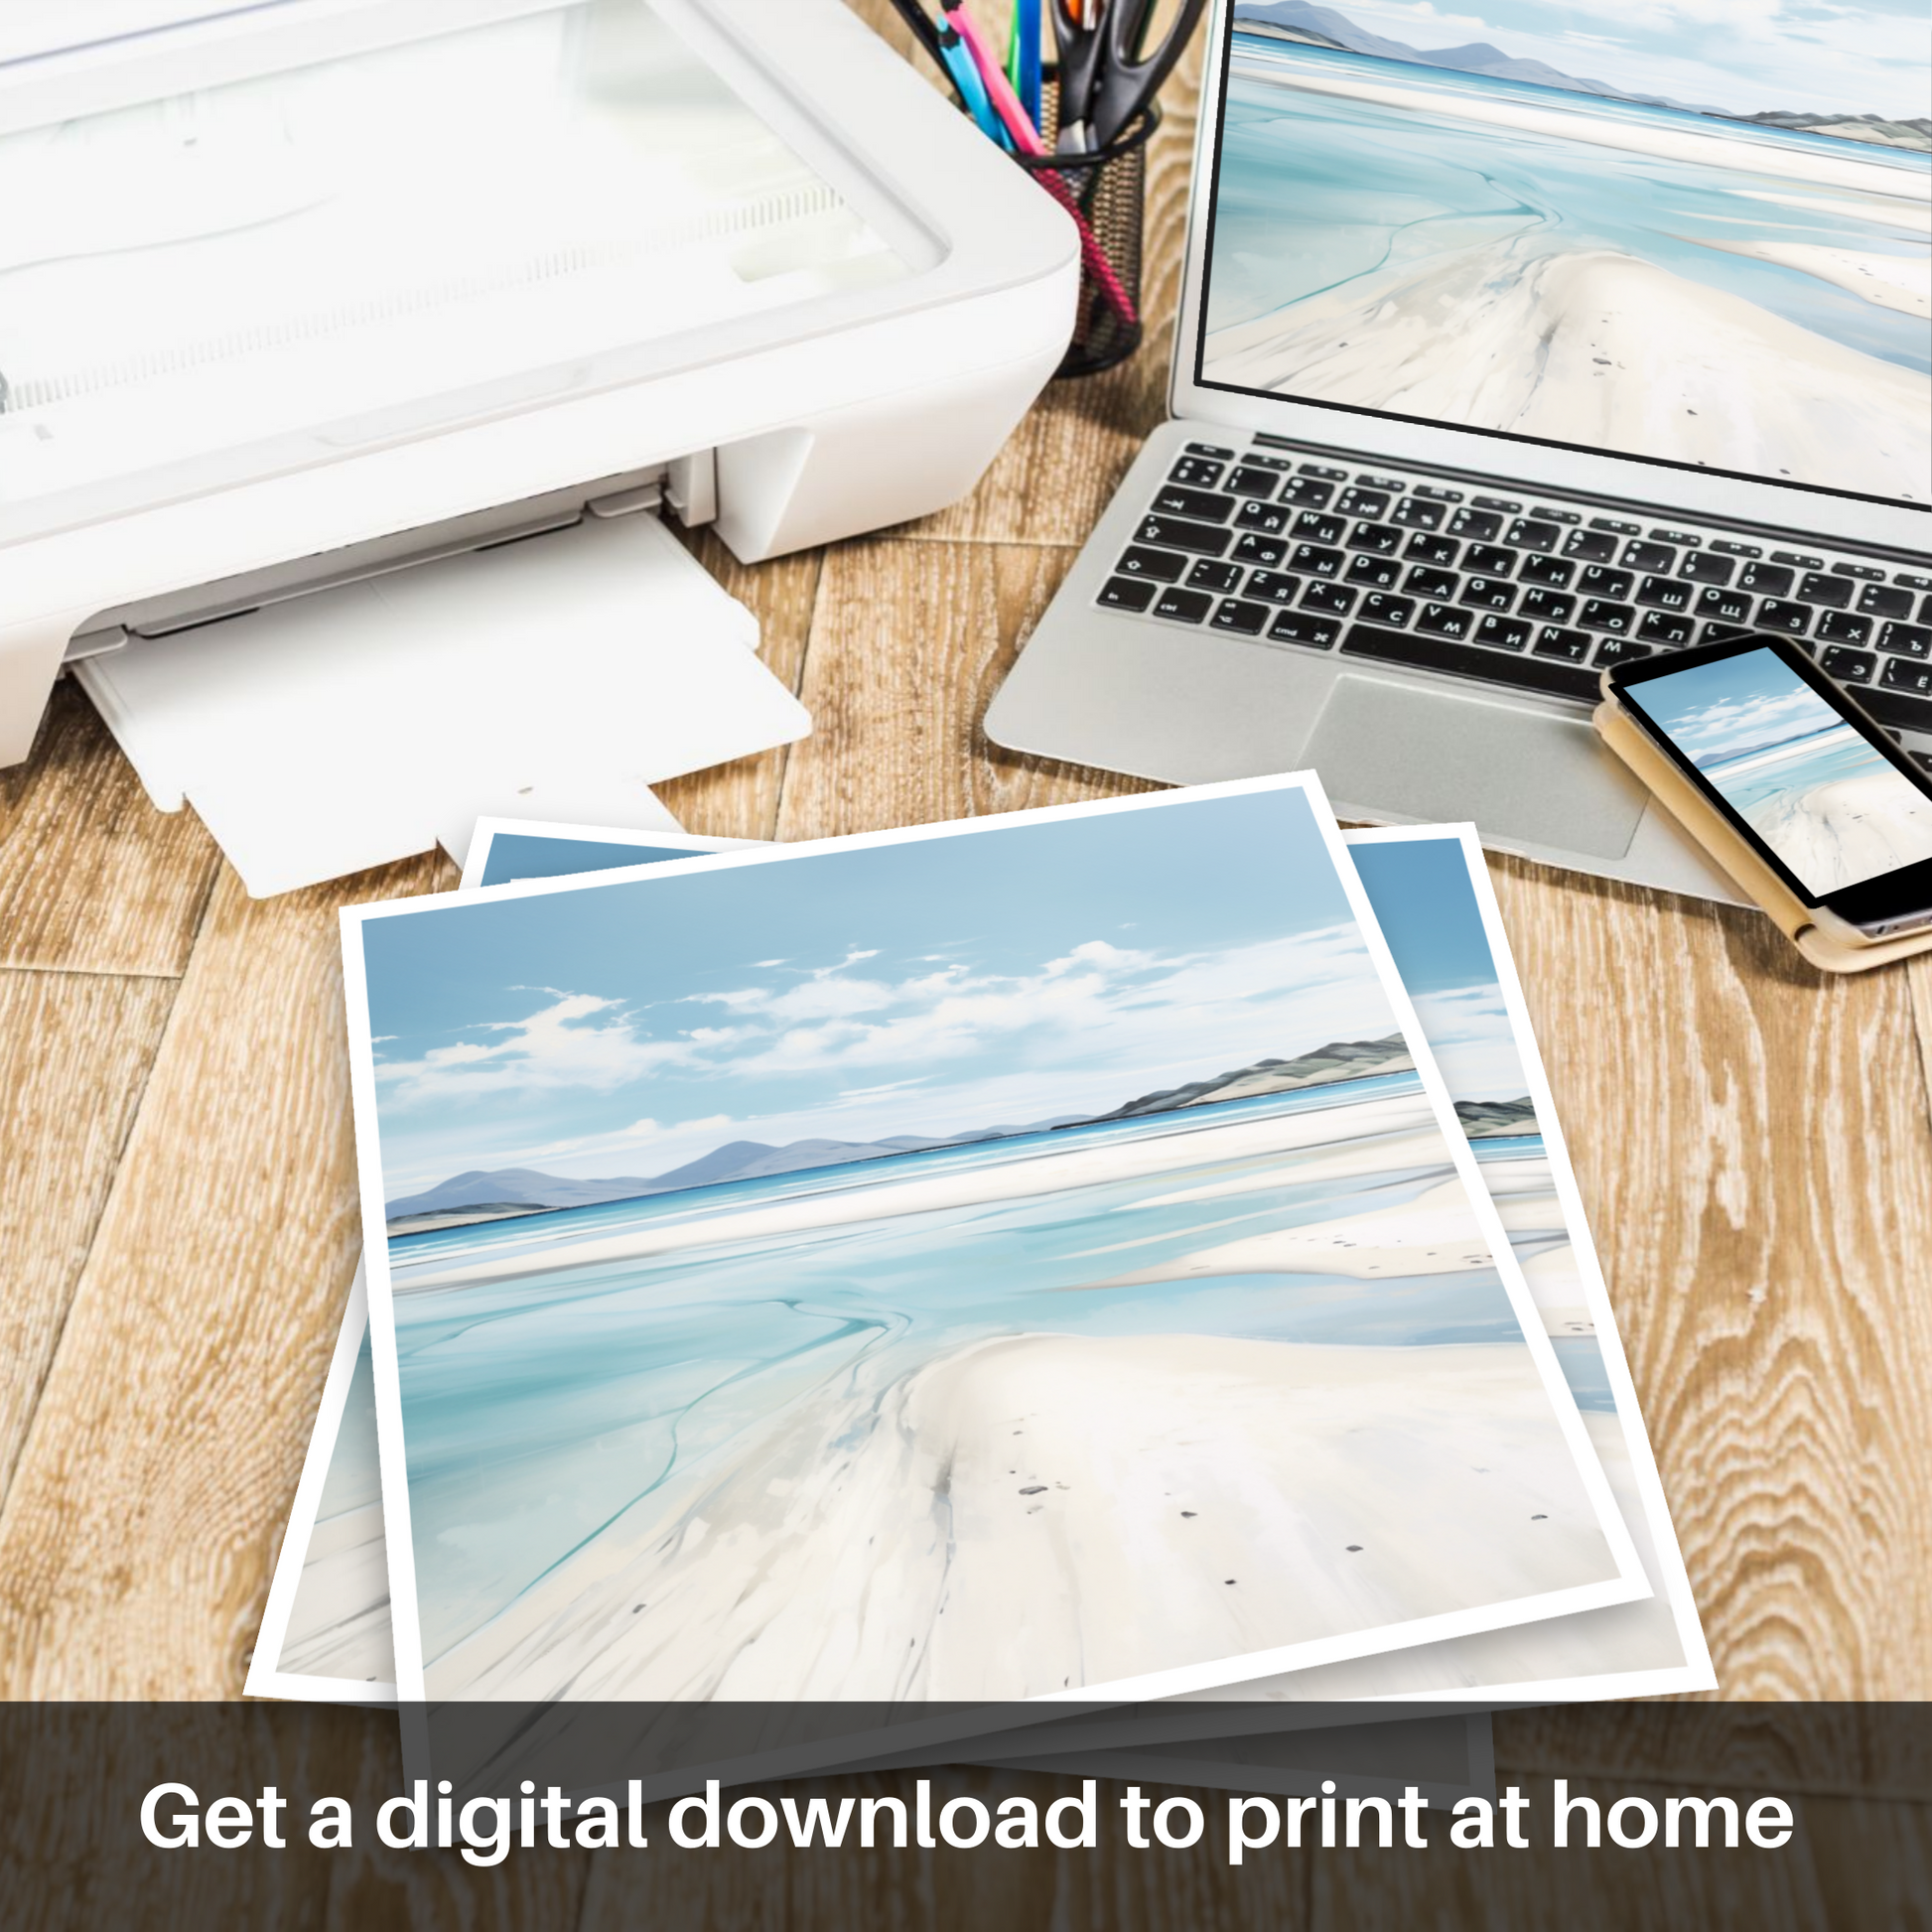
pixel 1235 614
pixel 1925 610
pixel 1665 593
pixel 1776 614
pixel 1660 627
pixel 1546 607
pixel 1196 472
pixel 1599 582
pixel 1911 582
pixel 1648 556
pixel 1554 516
pixel 1530 533
pixel 1314 528
pixel 1796 560
pixel 1489 560
pixel 1879 600
pixel 1503 503
pixel 1378 572
pixel 1326 470
pixel 1731 549
pixel 1184 607
pixel 1726 606
pixel 1253 549
pixel 1127 592
pixel 1726 633
pixel 1487 594
pixel 1438 584
pixel 1841 627
pixel 1847 666
pixel 1306 494
pixel 1481 525
pixel 1589 546
pixel 1907 640
pixel 1552 571
pixel 1300 627
pixel 1208 574
pixel 1502 633
pixel 1898 708
pixel 1446 621
pixel 1392 485
pixel 1269 518
pixel 1247 481
pixel 1363 503
pixel 1834 592
pixel 1601 615
pixel 1332 598
pixel 1314 561
pixel 1279 464
pixel 1175 533
pixel 1171 499
pixel 1767 578
pixel 1440 495
pixel 1210 449
pixel 1396 610
pixel 1554 641
pixel 1701 566
pixel 1442 653
pixel 1903 674
pixel 1162 565
pixel 1277 587
pixel 1620 650
pixel 1417 513
pixel 1869 571
pixel 1382 538
pixel 1433 550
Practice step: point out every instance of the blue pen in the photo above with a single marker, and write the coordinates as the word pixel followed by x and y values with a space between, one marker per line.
pixel 972 89
pixel 1025 82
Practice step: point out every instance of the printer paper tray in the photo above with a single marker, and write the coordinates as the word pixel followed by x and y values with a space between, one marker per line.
pixel 555 677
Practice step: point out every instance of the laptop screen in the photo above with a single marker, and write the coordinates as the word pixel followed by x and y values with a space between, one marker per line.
pixel 1692 231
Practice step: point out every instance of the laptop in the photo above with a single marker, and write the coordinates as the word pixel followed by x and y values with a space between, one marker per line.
pixel 1497 364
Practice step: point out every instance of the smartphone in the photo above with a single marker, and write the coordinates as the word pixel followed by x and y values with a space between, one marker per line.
pixel 1780 751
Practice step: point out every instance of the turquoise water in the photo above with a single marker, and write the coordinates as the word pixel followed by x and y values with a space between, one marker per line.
pixel 1834 753
pixel 1318 190
pixel 537 1408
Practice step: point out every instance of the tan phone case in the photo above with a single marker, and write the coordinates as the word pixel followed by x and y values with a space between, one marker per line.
pixel 1754 877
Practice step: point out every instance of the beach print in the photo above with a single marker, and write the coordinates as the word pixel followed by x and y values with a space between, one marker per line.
pixel 1833 811
pixel 1658 241
pixel 1005 1278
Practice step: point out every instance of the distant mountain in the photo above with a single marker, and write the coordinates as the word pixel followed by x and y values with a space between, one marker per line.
pixel 1915 133
pixel 1482 1119
pixel 491 1195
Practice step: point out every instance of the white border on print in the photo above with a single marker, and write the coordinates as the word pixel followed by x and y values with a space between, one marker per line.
pixel 266 1677
pixel 1697 1672
pixel 486 830
pixel 1627 1586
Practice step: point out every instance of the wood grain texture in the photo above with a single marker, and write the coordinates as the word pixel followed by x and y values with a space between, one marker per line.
pixel 909 643
pixel 74 1055
pixel 137 1536
pixel 1753 1145
pixel 92 879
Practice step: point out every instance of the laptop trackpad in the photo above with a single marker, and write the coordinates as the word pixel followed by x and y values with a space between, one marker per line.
pixel 1386 746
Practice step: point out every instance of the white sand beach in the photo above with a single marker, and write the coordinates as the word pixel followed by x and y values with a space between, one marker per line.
pixel 1352 1134
pixel 1847 830
pixel 1901 282
pixel 1032 1514
pixel 1628 356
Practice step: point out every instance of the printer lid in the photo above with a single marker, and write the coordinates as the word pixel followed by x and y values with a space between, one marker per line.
pixel 239 239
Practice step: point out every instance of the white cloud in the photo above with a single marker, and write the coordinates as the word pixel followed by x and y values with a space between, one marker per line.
pixel 1467 1029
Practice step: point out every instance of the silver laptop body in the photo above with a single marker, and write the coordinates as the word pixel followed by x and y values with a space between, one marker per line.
pixel 1194 641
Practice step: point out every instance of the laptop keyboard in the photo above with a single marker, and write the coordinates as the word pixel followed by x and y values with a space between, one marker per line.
pixel 1527 594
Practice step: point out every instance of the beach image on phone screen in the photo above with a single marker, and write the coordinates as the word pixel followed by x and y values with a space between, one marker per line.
pixel 1830 808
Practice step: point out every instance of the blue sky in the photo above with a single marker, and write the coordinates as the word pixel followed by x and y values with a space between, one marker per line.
pixel 928 987
pixel 1719 708
pixel 1743 55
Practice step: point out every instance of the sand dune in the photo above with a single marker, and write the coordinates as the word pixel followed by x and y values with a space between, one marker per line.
pixel 1901 282
pixel 1847 830
pixel 1032 1514
pixel 1597 348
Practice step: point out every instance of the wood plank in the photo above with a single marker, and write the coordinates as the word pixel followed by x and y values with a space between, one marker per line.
pixel 1753 1145
pixel 908 644
pixel 74 1055
pixel 92 879
pixel 137 1537
pixel 740 801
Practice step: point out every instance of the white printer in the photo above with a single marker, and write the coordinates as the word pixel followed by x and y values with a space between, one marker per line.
pixel 300 294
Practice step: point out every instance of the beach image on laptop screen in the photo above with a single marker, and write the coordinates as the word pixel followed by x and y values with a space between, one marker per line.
pixel 1696 234
pixel 1810 785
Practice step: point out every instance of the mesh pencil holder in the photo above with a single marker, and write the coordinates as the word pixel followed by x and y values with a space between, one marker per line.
pixel 1105 192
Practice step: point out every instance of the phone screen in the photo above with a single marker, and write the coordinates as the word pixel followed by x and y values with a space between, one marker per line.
pixel 1808 784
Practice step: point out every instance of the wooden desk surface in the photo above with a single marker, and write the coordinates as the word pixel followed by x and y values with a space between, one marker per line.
pixel 178 1229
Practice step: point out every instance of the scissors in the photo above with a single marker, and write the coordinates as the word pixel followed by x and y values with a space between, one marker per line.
pixel 1107 75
